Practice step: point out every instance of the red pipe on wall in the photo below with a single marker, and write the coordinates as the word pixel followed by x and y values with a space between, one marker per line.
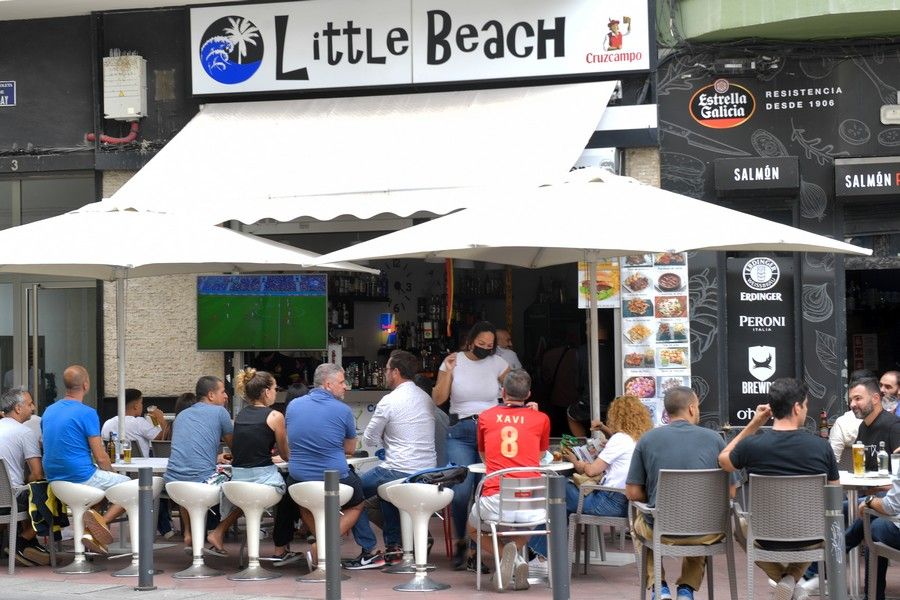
pixel 135 127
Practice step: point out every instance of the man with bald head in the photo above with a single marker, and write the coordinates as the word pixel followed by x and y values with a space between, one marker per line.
pixel 72 445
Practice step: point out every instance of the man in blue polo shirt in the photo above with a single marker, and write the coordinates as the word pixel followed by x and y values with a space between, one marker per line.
pixel 72 445
pixel 321 433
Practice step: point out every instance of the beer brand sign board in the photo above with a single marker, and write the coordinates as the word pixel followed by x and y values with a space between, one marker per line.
pixel 323 44
pixel 760 305
pixel 768 176
pixel 878 176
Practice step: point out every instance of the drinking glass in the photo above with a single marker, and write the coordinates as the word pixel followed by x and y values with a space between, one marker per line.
pixel 895 465
pixel 126 451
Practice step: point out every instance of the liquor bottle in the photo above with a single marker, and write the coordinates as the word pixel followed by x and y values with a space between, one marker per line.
pixel 883 460
pixel 823 424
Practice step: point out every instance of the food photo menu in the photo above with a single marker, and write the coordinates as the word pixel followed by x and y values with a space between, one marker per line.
pixel 655 327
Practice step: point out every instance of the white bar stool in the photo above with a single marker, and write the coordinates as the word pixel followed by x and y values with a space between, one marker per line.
pixel 79 498
pixel 196 498
pixel 311 496
pixel 126 496
pixel 420 500
pixel 408 564
pixel 253 499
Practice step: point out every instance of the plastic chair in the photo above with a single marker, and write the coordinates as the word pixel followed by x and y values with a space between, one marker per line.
pixel 523 507
pixel 79 498
pixel 9 513
pixel 784 509
pixel 876 549
pixel 707 513
pixel 253 499
pixel 126 495
pixel 196 498
pixel 579 523
pixel 420 500
pixel 311 496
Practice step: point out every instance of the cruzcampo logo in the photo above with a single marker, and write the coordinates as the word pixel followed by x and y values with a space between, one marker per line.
pixel 722 105
pixel 231 50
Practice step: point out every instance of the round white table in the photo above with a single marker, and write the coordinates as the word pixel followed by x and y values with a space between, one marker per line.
pixel 158 465
pixel 560 467
pixel 852 484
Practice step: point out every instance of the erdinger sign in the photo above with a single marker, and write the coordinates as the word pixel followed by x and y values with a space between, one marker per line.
pixel 323 44
pixel 722 105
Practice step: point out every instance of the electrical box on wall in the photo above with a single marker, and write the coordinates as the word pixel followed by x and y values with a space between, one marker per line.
pixel 124 87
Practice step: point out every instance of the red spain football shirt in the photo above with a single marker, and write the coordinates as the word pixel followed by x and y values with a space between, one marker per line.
pixel 511 437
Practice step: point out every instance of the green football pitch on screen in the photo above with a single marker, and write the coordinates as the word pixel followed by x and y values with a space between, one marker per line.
pixel 261 322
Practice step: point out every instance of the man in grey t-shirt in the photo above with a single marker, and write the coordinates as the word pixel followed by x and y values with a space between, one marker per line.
pixel 697 448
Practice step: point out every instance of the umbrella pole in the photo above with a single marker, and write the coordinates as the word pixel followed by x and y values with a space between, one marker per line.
pixel 120 352
pixel 594 358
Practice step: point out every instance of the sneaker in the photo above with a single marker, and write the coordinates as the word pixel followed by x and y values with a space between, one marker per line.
pixel 393 554
pixel 93 545
pixel 470 566
pixel 21 559
pixel 288 558
pixel 785 588
pixel 507 566
pixel 538 568
pixel 35 552
pixel 461 559
pixel 375 560
pixel 664 592
pixel 96 527
pixel 685 592
pixel 520 575
pixel 169 534
pixel 800 593
pixel 811 585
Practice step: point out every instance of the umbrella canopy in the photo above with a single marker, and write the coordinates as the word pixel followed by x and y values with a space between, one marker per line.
pixel 594 215
pixel 118 245
pixel 109 245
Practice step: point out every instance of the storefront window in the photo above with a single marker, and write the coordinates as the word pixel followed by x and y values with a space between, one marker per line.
pixel 43 198
pixel 6 194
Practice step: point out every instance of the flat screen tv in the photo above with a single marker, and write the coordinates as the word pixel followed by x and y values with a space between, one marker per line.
pixel 262 312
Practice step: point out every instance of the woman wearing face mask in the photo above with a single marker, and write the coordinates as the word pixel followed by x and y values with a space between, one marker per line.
pixel 471 380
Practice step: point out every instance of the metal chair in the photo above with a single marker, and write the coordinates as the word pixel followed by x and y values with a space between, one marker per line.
pixel 9 513
pixel 876 549
pixel 785 509
pixel 523 507
pixel 707 513
pixel 580 522
pixel 161 448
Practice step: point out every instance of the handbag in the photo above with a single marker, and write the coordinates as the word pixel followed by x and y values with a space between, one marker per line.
pixel 448 475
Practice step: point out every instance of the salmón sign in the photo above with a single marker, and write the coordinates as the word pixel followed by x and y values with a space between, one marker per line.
pixel 323 44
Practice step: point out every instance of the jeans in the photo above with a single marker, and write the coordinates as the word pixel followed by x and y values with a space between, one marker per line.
pixel 362 531
pixel 462 450
pixel 600 503
pixel 886 532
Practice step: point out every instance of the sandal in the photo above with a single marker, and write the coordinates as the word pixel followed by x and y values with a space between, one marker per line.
pixel 213 551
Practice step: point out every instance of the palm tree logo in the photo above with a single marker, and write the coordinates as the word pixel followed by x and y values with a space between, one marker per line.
pixel 231 50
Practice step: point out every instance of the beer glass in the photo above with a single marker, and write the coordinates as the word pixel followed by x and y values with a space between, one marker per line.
pixel 126 451
pixel 859 459
pixel 895 465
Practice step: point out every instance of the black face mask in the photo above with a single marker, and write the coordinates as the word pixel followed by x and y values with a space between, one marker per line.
pixel 481 353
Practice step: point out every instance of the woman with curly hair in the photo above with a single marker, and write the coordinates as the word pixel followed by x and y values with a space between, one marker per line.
pixel 628 419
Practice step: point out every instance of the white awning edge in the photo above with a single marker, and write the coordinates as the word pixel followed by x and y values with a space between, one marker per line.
pixel 363 156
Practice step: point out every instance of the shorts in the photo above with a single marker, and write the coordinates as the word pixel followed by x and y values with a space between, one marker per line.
pixel 22 500
pixel 490 511
pixel 103 480
pixel 353 480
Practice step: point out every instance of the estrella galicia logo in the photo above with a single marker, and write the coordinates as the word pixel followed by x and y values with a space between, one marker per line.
pixel 231 50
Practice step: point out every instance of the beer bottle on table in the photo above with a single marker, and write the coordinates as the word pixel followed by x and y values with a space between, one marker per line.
pixel 883 460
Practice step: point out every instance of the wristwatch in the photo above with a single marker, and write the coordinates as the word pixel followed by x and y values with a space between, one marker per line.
pixel 868 501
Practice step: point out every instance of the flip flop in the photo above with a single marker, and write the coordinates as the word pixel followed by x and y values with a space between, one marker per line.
pixel 213 551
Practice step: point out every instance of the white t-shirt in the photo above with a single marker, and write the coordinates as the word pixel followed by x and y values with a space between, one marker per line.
pixel 18 443
pixel 510 357
pixel 137 429
pixel 617 454
pixel 476 384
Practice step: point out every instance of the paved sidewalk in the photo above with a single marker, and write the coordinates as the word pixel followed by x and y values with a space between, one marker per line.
pixel 604 581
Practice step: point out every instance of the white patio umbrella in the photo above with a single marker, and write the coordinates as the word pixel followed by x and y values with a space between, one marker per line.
pixel 595 215
pixel 120 245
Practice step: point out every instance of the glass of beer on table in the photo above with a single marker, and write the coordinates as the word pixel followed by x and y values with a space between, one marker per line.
pixel 859 459
pixel 126 451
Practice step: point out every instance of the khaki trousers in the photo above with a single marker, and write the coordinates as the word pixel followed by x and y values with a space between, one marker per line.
pixel 691 566
pixel 775 571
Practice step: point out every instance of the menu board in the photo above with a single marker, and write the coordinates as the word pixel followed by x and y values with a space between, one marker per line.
pixel 607 277
pixel 655 327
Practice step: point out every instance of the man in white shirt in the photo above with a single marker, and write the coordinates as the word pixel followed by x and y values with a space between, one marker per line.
pixel 403 424
pixel 505 351
pixel 137 429
pixel 21 452
pixel 843 433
